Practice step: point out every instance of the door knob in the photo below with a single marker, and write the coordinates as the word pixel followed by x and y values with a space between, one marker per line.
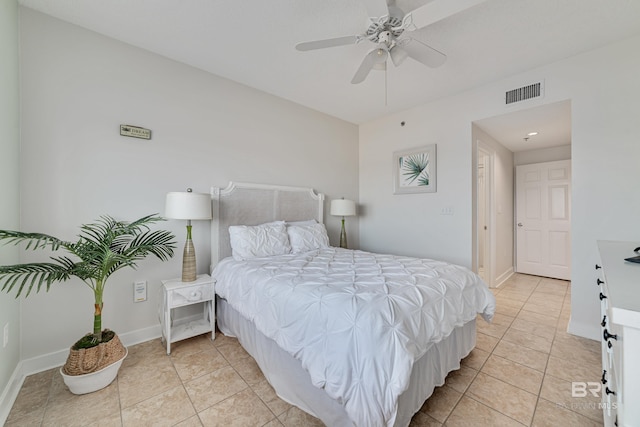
pixel 519 224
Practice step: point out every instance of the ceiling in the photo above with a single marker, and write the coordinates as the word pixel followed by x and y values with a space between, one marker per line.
pixel 551 123
pixel 253 42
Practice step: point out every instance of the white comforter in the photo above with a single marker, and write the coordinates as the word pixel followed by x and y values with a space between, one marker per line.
pixel 357 321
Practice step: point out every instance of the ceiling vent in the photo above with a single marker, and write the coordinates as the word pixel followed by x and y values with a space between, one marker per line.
pixel 534 90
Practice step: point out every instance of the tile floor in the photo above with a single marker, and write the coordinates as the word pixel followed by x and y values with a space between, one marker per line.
pixel 519 374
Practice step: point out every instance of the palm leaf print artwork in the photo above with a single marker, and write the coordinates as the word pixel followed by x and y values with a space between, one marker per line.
pixel 415 168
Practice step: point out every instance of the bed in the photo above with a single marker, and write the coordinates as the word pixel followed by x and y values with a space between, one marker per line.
pixel 351 337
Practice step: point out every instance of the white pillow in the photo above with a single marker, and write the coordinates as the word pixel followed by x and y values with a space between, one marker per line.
pixel 259 240
pixel 306 238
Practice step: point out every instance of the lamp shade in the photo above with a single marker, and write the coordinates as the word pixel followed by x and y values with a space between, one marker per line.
pixel 342 207
pixel 188 205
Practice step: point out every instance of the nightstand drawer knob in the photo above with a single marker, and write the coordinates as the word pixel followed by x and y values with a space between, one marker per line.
pixel 195 295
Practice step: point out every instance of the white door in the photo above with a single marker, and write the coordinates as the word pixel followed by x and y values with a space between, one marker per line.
pixel 543 219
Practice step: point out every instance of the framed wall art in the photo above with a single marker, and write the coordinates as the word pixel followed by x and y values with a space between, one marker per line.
pixel 415 170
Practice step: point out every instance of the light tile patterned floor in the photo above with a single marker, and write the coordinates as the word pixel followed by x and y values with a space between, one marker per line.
pixel 520 373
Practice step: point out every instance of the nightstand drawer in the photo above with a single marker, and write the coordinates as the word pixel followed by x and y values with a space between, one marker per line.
pixel 190 295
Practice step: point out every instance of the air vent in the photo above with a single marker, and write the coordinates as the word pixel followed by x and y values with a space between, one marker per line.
pixel 524 93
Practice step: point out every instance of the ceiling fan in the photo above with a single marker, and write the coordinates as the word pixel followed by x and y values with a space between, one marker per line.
pixel 387 29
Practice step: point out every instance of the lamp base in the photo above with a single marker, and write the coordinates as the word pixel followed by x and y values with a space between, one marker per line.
pixel 189 259
pixel 343 236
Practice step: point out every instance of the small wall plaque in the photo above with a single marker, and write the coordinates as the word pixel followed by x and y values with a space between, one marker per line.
pixel 135 132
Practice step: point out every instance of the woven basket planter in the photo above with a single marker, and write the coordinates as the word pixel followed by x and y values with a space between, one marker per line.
pixel 91 369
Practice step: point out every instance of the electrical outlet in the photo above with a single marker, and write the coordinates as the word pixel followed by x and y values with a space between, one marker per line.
pixel 140 291
pixel 5 336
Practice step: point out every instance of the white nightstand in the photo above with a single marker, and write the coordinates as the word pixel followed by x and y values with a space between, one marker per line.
pixel 179 294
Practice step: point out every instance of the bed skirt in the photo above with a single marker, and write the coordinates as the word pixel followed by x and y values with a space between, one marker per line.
pixel 293 385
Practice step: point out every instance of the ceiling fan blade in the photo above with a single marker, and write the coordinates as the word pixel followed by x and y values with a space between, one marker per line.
pixel 364 68
pixel 376 56
pixel 438 10
pixel 398 55
pixel 321 44
pixel 376 8
pixel 422 53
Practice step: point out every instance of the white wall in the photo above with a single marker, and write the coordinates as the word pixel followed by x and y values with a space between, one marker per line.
pixel 605 96
pixel 9 186
pixel 412 224
pixel 78 87
pixel 542 155
pixel 503 206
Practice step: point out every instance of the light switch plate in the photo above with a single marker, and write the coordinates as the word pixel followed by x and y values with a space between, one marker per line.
pixel 140 291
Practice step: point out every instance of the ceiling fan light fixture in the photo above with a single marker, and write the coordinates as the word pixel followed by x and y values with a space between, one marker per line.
pixel 381 58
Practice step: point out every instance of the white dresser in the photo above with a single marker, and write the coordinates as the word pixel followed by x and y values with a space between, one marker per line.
pixel 619 293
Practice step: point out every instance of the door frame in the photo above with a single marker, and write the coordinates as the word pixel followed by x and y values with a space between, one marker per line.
pixel 484 150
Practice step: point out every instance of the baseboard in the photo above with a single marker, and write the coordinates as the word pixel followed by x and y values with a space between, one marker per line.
pixel 141 335
pixel 501 279
pixel 55 359
pixel 10 393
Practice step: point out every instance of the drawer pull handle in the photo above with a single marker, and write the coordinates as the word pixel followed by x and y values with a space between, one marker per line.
pixel 602 296
pixel 606 335
pixel 599 282
pixel 604 377
pixel 604 321
pixel 598 267
pixel 606 389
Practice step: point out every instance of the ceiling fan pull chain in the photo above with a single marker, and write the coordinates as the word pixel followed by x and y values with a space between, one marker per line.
pixel 386 91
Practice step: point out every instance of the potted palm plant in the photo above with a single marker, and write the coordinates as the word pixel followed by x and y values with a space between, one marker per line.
pixel 102 248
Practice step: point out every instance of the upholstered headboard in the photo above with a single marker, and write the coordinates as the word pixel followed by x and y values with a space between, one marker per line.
pixel 253 204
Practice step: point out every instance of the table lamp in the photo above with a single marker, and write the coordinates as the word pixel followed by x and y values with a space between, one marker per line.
pixel 342 207
pixel 190 206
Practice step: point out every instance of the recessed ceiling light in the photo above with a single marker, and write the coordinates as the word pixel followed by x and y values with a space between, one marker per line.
pixel 532 133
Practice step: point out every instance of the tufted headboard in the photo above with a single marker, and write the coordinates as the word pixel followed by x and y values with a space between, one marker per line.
pixel 253 204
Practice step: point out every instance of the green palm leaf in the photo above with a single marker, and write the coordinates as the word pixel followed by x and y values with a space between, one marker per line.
pixel 102 248
pixel 30 275
pixel 424 179
pixel 413 166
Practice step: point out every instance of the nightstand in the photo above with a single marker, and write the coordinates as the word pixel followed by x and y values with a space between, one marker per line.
pixel 177 293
